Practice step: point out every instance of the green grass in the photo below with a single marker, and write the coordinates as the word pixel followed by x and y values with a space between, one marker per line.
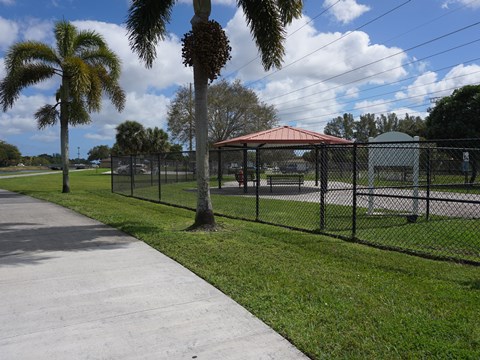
pixel 440 236
pixel 332 299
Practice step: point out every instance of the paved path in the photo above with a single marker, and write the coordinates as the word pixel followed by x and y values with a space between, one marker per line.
pixel 72 288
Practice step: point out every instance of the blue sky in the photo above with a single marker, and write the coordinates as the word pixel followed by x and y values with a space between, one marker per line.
pixel 354 56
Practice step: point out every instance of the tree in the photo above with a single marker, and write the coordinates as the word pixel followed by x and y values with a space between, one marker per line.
pixel 181 117
pixel 457 117
pixel 155 141
pixel 387 123
pixel 206 49
pixel 412 125
pixel 99 152
pixel 87 69
pixel 341 126
pixel 9 154
pixel 233 110
pixel 366 127
pixel 130 138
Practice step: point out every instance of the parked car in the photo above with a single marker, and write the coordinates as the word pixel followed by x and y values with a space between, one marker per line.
pixel 125 169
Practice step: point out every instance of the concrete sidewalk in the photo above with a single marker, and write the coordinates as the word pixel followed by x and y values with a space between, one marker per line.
pixel 72 288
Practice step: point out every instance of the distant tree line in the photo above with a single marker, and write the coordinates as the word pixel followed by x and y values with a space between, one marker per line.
pixel 371 125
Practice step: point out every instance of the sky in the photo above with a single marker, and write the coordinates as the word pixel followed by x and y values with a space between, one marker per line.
pixel 342 56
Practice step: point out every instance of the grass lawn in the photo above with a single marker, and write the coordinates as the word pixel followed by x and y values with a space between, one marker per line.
pixel 441 236
pixel 332 299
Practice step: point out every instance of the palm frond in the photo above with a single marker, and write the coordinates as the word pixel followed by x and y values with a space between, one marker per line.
pixel 94 94
pixel 87 40
pixel 103 57
pixel 289 10
pixel 78 74
pixel 65 34
pixel 47 115
pixel 22 77
pixel 77 114
pixel 29 51
pixel 112 88
pixel 146 25
pixel 266 25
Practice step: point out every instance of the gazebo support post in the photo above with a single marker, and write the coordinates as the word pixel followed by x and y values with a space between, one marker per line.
pixel 219 172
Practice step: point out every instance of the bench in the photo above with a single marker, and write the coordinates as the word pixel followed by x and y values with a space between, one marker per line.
pixel 285 179
pixel 240 178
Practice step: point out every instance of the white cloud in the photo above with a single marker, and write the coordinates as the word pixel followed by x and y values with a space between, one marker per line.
pixel 148 109
pixel 305 92
pixel 8 32
pixel 7 2
pixel 473 4
pixel 427 85
pixel 37 30
pixel 20 118
pixel 346 10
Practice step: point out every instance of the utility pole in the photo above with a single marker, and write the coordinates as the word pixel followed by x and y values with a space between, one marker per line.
pixel 78 154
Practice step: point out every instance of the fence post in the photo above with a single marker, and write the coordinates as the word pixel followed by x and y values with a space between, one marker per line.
pixel 429 179
pixel 219 168
pixel 151 170
pixel 111 172
pixel 166 175
pixel 131 176
pixel 176 171
pixel 257 184
pixel 354 195
pixel 323 183
pixel 159 179
pixel 245 168
pixel 316 166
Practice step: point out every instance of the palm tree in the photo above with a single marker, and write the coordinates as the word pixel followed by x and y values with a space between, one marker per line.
pixel 87 68
pixel 267 19
pixel 130 137
pixel 156 141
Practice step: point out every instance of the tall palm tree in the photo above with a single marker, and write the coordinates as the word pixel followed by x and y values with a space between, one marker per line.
pixel 267 19
pixel 87 68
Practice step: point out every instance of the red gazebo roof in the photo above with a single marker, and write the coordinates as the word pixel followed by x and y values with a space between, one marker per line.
pixel 284 135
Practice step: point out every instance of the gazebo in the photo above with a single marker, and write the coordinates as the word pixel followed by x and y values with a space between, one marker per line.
pixel 283 136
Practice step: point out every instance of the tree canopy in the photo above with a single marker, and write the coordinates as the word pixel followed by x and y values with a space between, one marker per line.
pixel 233 110
pixel 456 116
pixel 9 154
pixel 99 152
pixel 133 138
pixel 370 125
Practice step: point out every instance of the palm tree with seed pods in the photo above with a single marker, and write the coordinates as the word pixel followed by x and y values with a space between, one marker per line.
pixel 87 69
pixel 206 49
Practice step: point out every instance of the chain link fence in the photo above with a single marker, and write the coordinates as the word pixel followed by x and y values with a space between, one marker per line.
pixel 416 197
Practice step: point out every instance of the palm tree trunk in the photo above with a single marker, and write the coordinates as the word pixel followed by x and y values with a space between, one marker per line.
pixel 64 136
pixel 204 216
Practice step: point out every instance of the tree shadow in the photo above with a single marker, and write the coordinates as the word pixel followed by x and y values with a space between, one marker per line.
pixel 32 243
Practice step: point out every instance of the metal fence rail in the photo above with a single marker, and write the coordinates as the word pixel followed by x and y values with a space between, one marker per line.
pixel 416 197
